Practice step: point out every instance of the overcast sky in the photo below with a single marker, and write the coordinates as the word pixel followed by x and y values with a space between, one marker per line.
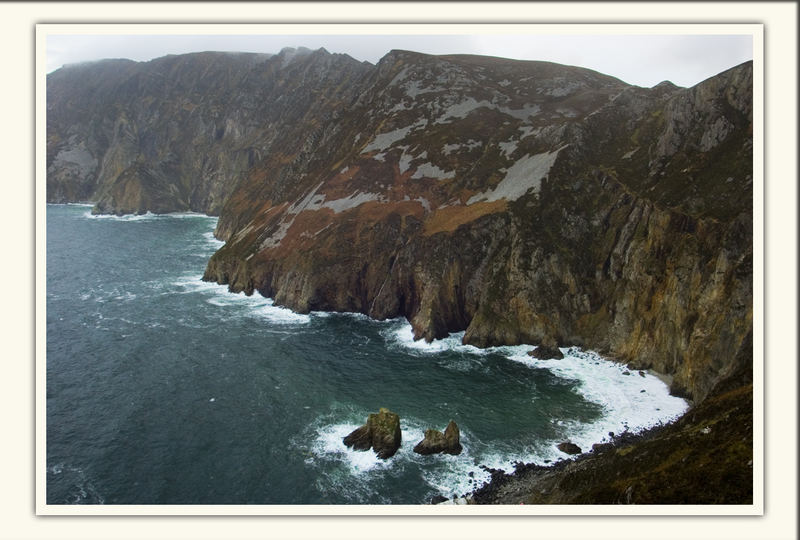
pixel 644 60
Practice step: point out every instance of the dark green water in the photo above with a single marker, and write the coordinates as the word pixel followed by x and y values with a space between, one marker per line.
pixel 162 389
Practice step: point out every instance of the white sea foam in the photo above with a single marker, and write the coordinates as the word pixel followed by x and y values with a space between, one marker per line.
pixel 81 488
pixel 255 304
pixel 625 407
pixel 328 445
pixel 604 382
pixel 149 216
pixel 191 215
pixel 400 334
pixel 362 471
pixel 211 239
pixel 281 315
pixel 193 284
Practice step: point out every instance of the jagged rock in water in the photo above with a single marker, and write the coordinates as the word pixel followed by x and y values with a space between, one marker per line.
pixel 547 350
pixel 436 442
pixel 569 448
pixel 437 499
pixel 381 433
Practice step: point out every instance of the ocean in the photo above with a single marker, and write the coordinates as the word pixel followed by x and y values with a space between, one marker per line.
pixel 164 389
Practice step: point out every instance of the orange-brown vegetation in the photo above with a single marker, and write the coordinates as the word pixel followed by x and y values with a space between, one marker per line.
pixel 450 218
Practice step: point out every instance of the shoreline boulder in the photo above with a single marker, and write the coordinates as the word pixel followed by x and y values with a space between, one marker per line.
pixel 547 350
pixel 381 433
pixel 569 448
pixel 436 442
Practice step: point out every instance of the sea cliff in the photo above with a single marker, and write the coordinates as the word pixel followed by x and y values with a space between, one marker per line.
pixel 520 202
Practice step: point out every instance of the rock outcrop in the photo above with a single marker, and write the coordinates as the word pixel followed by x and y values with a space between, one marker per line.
pixel 436 442
pixel 516 201
pixel 381 433
pixel 569 447
pixel 547 350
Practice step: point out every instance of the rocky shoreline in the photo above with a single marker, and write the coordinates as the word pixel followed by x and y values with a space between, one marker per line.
pixel 704 457
pixel 518 202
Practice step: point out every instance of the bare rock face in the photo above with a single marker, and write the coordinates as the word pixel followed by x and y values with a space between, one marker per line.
pixel 514 201
pixel 381 433
pixel 179 132
pixel 436 442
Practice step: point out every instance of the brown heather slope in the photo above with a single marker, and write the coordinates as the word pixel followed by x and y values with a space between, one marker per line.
pixel 520 202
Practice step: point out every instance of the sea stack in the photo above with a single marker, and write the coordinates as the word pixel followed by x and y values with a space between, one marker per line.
pixel 436 442
pixel 381 433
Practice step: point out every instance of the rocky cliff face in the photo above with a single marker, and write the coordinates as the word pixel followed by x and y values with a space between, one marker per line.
pixel 518 201
pixel 180 132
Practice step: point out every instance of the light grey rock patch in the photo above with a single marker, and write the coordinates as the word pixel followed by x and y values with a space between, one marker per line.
pixel 399 77
pixel 383 141
pixel 405 161
pixel 528 131
pixel 274 240
pixel 429 170
pixel 715 134
pixel 77 157
pixel 242 233
pixel 450 148
pixel 558 87
pixel 628 155
pixel 414 89
pixel 462 109
pixel 356 199
pixel 400 107
pixel 311 200
pixel 469 145
pixel 524 113
pixel 508 147
pixel 525 175
pixel 423 201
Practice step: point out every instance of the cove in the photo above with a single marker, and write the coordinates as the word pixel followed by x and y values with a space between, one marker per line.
pixel 164 389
